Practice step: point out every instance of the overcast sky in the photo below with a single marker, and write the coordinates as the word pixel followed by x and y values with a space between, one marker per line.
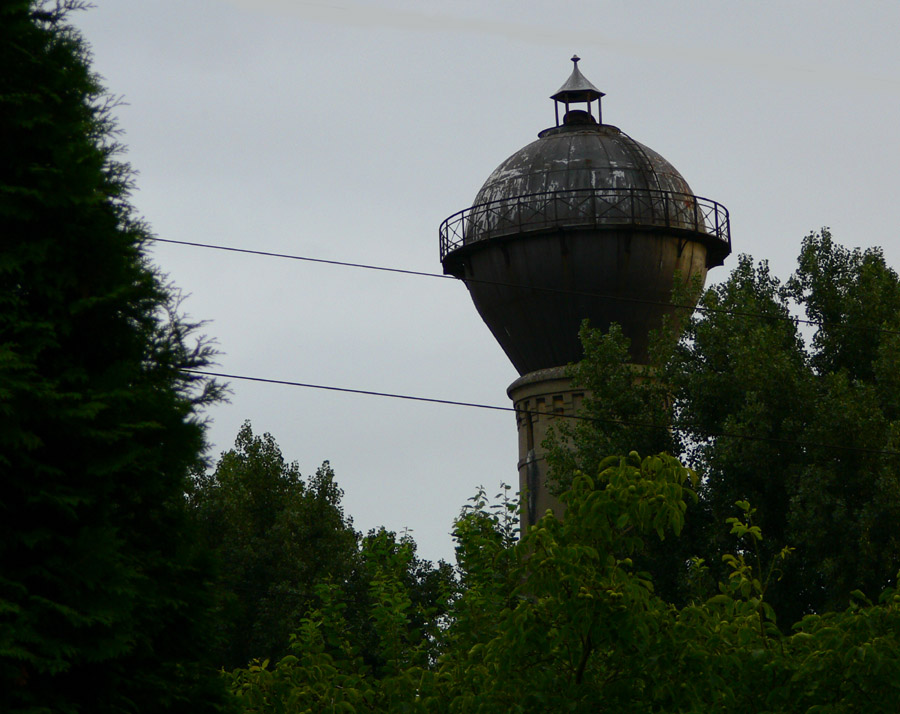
pixel 349 130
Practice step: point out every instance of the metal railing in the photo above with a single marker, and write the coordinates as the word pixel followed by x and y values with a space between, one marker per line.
pixel 586 208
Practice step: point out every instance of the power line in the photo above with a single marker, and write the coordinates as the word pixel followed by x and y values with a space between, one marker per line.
pixel 535 412
pixel 303 258
pixel 538 288
pixel 367 392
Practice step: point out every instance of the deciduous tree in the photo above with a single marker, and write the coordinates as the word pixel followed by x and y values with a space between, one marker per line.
pixel 802 421
pixel 564 620
pixel 815 404
pixel 277 536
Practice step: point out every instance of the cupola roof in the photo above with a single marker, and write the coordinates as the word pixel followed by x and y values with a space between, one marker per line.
pixel 577 87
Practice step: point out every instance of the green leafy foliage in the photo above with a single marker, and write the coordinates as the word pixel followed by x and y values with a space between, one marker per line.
pixel 564 621
pixel 573 602
pixel 819 414
pixel 627 403
pixel 628 408
pixel 794 421
pixel 277 536
pixel 103 605
pixel 329 670
pixel 283 543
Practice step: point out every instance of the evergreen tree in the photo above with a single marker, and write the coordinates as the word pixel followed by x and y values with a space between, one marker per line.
pixel 103 601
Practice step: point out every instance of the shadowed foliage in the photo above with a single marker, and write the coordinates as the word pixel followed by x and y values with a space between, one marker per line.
pixel 800 421
pixel 103 596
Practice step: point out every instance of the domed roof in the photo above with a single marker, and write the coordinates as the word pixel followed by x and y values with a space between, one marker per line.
pixel 581 156
pixel 584 174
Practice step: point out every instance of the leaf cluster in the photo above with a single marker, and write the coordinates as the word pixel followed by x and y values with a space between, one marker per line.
pixel 276 536
pixel 791 419
pixel 564 620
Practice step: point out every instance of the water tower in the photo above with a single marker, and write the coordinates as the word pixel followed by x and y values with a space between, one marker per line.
pixel 585 222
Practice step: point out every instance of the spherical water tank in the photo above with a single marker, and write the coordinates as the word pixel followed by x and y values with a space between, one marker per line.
pixel 585 222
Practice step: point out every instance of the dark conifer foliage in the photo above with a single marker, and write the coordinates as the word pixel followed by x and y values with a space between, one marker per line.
pixel 103 599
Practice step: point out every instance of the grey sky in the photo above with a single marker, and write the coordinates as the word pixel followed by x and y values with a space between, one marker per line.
pixel 348 130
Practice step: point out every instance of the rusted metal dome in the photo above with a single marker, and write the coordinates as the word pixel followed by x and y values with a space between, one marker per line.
pixel 585 222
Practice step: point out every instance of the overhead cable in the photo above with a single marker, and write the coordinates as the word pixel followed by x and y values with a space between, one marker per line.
pixel 538 288
pixel 537 412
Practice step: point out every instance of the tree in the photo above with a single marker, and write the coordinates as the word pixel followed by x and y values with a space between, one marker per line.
pixel 822 417
pixel 103 605
pixel 334 665
pixel 735 373
pixel 281 541
pixel 628 408
pixel 804 428
pixel 563 620
pixel 277 537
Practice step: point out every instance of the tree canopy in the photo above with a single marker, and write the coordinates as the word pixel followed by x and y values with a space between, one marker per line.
pixel 103 605
pixel 276 536
pixel 564 620
pixel 281 541
pixel 799 419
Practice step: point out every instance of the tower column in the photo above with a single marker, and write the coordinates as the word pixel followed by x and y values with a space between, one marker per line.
pixel 540 398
